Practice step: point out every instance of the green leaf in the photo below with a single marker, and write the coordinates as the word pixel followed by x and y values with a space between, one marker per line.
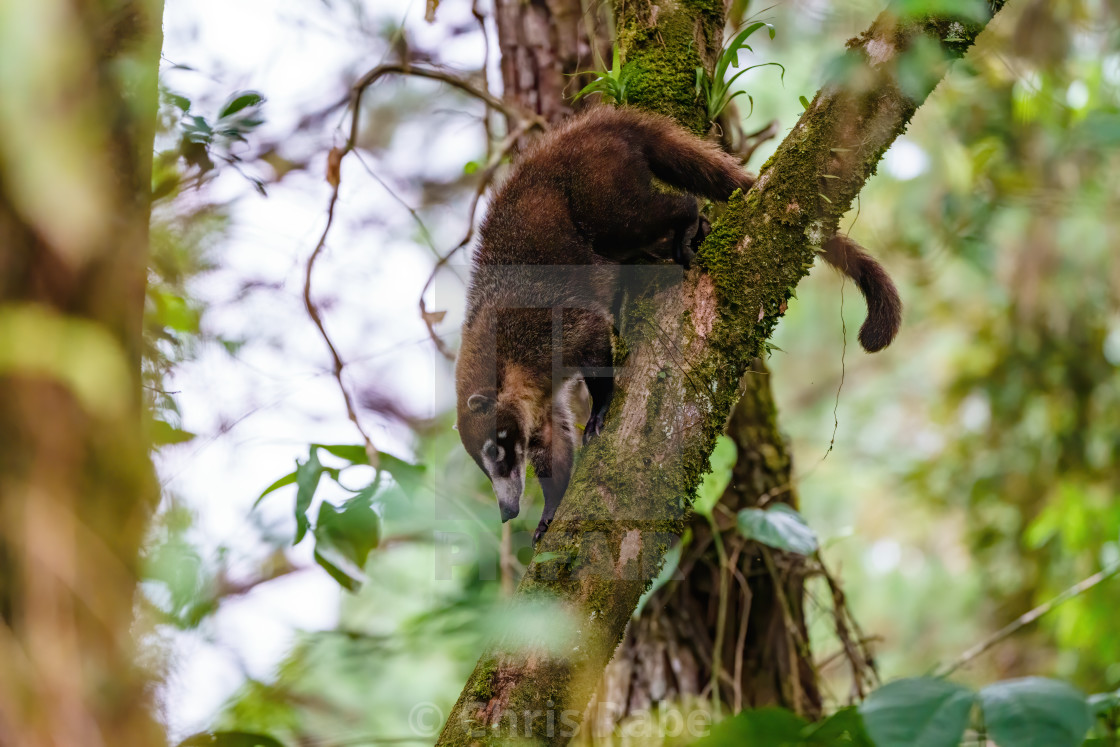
pixel 182 102
pixel 804 102
pixel 197 130
pixel 1101 703
pixel 409 476
pixel 287 479
pixel 344 538
pixel 918 712
pixel 241 101
pixel 470 167
pixel 1035 711
pixel 715 482
pixel 164 434
pixel 765 727
pixel 307 481
pixel 353 453
pixel 780 527
pixel 843 727
pixel 229 739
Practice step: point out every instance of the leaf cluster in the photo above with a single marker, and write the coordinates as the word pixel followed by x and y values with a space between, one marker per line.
pixel 716 88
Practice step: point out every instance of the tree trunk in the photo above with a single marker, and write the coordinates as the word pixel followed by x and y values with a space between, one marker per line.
pixel 545 44
pixel 730 625
pixel 77 120
pixel 686 348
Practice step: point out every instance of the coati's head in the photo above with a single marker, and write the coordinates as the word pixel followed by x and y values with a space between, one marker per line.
pixel 496 434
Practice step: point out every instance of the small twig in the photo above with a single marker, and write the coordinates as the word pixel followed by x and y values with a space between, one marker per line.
pixel 317 318
pixel 1026 619
pixel 492 165
pixel 514 113
pixel 400 201
pixel 854 646
pixel 752 141
pixel 744 619
pixel 721 614
pixel 796 642
pixel 487 119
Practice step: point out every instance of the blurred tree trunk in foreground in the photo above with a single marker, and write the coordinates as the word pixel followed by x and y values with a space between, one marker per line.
pixel 78 102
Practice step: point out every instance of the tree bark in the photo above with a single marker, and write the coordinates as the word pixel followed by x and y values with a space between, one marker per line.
pixel 77 120
pixel 545 45
pixel 752 649
pixel 686 349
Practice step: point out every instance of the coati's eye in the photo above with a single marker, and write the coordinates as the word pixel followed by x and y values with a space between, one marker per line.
pixel 491 450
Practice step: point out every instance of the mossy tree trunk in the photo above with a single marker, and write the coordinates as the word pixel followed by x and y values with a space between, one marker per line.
pixel 730 623
pixel 687 347
pixel 77 117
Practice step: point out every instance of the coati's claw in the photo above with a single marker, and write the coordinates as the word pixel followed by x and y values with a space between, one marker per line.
pixel 594 426
pixel 703 228
pixel 682 248
pixel 541 529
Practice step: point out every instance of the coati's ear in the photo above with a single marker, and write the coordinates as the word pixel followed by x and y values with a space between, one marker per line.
pixel 479 402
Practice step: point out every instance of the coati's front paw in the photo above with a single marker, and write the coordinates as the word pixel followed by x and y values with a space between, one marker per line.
pixel 703 228
pixel 541 529
pixel 594 426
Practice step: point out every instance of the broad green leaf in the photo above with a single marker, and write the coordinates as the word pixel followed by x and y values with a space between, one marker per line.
pixel 307 480
pixel 1035 712
pixel 715 482
pixel 409 476
pixel 1102 703
pixel 918 712
pixel 237 103
pixel 765 727
pixel 843 727
pixel 164 434
pixel 287 479
pixel 353 453
pixel 180 101
pixel 229 739
pixel 344 539
pixel 668 569
pixel 780 527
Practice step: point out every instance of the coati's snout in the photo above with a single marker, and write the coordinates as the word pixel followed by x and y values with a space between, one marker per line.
pixel 495 439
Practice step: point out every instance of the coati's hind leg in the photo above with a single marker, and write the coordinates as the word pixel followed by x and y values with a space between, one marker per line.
pixel 642 223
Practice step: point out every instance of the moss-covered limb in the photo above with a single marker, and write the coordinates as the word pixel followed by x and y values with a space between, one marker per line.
pixel 687 350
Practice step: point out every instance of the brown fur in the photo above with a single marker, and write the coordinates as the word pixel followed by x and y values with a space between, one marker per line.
pixel 580 201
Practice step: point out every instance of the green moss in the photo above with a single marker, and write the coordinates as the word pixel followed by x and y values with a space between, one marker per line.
pixel 666 55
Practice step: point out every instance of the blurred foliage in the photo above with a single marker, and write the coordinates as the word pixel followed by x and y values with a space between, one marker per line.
pixel 1022 189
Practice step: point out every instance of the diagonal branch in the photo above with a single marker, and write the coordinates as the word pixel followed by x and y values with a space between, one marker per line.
pixel 627 496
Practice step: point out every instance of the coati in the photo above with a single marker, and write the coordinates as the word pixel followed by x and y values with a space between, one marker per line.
pixel 579 201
